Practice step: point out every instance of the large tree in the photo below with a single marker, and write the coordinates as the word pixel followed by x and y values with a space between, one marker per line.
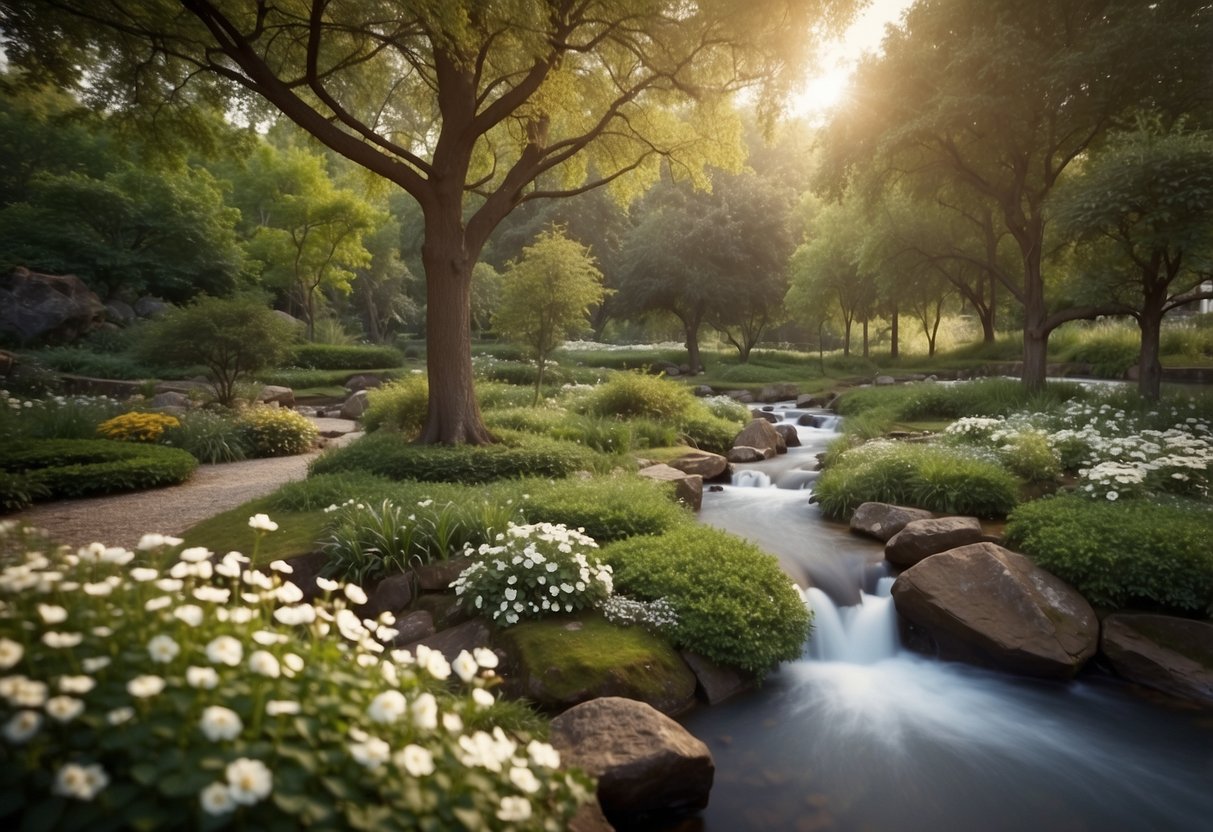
pixel 471 107
pixel 1141 215
pixel 997 99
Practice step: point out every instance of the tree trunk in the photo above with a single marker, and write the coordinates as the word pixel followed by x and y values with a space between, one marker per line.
pixel 1149 367
pixel 865 337
pixel 1035 331
pixel 691 326
pixel 454 415
pixel 894 335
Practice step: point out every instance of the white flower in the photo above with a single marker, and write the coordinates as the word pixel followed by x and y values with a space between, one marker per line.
pixel 425 712
pixel 142 574
pixel 453 723
pixel 22 727
pixel 10 653
pixel 283 567
pixel 61 640
pixel 249 781
pixel 1112 495
pixel 262 522
pixel 483 698
pixel 414 759
pixel 282 707
pixel 485 657
pixel 155 541
pixel 194 554
pixel 224 650
pixel 158 603
pixel 263 663
pixel 355 593
pixel 288 593
pixel 216 799
pixel 514 809
pixel 76 684
pixel 51 614
pixel 143 687
pixel 80 782
pixel 95 664
pixel 387 707
pixel 64 708
pixel 163 649
pixel 220 723
pixel 205 678
pixel 524 779
pixel 213 594
pixel 326 584
pixel 118 716
pixel 295 616
pixel 371 753
pixel 293 662
pixel 465 666
pixel 542 754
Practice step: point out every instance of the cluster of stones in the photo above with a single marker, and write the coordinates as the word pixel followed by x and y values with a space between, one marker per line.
pixel 964 597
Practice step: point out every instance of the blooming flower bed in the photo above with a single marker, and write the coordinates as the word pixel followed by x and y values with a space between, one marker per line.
pixel 172 688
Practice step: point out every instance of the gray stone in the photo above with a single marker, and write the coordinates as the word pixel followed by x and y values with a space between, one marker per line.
pixel 920 539
pixel 688 488
pixel 275 394
pixel 882 381
pixel 363 382
pixel 1174 655
pixel 168 399
pixel 741 396
pixel 882 520
pixel 764 415
pixel 437 577
pixel 305 570
pixel 987 605
pixel 716 682
pixel 47 308
pixel 703 391
pixel 413 627
pixel 393 594
pixel 643 760
pixel 355 405
pixel 778 392
pixel 451 642
pixel 119 312
pixel 758 434
pixel 744 453
pixel 791 439
pixel 150 307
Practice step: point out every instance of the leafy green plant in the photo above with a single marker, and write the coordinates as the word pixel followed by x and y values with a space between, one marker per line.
pixel 344 356
pixel 196 707
pixel 56 417
pixel 532 571
pixel 517 455
pixel 92 363
pixel 1122 553
pixel 708 432
pixel 64 468
pixel 17 491
pixel 605 508
pixel 277 431
pixel 320 492
pixel 398 406
pixel 733 602
pixel 935 477
pixel 210 437
pixel 635 395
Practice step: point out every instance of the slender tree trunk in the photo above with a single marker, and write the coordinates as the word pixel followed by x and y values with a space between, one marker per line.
pixel 865 337
pixel 453 416
pixel 1035 313
pixel 691 326
pixel 541 362
pixel 1149 367
pixel 846 338
pixel 895 335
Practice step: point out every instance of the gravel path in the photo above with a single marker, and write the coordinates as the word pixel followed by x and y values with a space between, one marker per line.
pixel 121 519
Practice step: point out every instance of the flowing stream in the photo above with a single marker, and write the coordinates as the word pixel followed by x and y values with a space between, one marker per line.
pixel 862 735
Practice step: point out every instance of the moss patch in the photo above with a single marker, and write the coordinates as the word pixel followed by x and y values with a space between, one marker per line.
pixel 561 661
pixel 297 532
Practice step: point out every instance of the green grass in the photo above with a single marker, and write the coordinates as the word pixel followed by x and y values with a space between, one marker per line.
pixel 298 532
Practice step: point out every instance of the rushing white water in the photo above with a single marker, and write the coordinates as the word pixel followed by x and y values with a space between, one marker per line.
pixel 861 734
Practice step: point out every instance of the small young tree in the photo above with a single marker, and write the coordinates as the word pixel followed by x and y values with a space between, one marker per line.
pixel 546 296
pixel 233 338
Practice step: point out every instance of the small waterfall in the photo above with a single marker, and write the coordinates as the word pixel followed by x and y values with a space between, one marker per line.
pixel 864 633
pixel 751 479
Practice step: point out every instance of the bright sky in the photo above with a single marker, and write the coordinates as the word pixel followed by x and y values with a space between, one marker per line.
pixel 838 59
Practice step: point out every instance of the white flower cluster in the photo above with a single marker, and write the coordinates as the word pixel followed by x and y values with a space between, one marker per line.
pixel 103 636
pixel 534 570
pixel 974 427
pixel 657 616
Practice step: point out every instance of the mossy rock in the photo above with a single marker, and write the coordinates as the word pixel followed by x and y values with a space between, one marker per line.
pixel 561 661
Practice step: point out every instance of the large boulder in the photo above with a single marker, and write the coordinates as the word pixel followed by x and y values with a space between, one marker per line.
pixel 759 434
pixel 645 762
pixel 688 488
pixel 991 606
pixel 393 594
pixel 789 436
pixel 119 312
pixel 355 405
pixel 277 394
pixel 883 520
pixel 920 539
pixel 704 463
pixel 1174 655
pixel 557 663
pixel 46 307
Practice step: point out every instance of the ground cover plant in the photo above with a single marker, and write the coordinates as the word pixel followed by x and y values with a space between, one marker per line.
pixel 159 688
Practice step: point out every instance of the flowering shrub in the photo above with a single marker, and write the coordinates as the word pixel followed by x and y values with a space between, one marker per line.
pixel 55 417
pixel 137 427
pixel 658 616
pixel 277 431
pixel 533 571
pixel 139 691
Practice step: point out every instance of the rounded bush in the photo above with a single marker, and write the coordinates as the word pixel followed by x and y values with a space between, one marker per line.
pixel 635 395
pixel 137 427
pixel 1122 553
pixel 399 406
pixel 345 357
pixel 935 477
pixel 605 508
pixel 732 601
pixel 66 468
pixel 277 431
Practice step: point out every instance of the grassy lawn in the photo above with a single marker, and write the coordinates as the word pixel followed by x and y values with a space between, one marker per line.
pixel 297 532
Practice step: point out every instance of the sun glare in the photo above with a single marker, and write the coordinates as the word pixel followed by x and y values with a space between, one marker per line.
pixel 823 93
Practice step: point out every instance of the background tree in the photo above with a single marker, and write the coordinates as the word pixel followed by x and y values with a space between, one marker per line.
pixel 380 292
pixel 232 337
pixel 997 99
pixel 1141 212
pixel 464 105
pixel 546 297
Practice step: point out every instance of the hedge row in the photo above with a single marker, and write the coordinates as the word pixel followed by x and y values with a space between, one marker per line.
pixel 345 357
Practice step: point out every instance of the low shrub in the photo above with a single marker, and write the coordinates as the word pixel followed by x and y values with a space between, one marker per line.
pixel 299 379
pixel 534 571
pixel 344 356
pixel 606 508
pixel 634 395
pixel 369 541
pixel 129 709
pixel 17 491
pixel 732 601
pixel 277 431
pixel 399 406
pixel 935 477
pixel 86 362
pixel 1122 553
pixel 701 429
pixel 985 397
pixel 517 455
pixel 58 417
pixel 210 437
pixel 320 492
pixel 65 468
pixel 495 394
pixel 137 427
